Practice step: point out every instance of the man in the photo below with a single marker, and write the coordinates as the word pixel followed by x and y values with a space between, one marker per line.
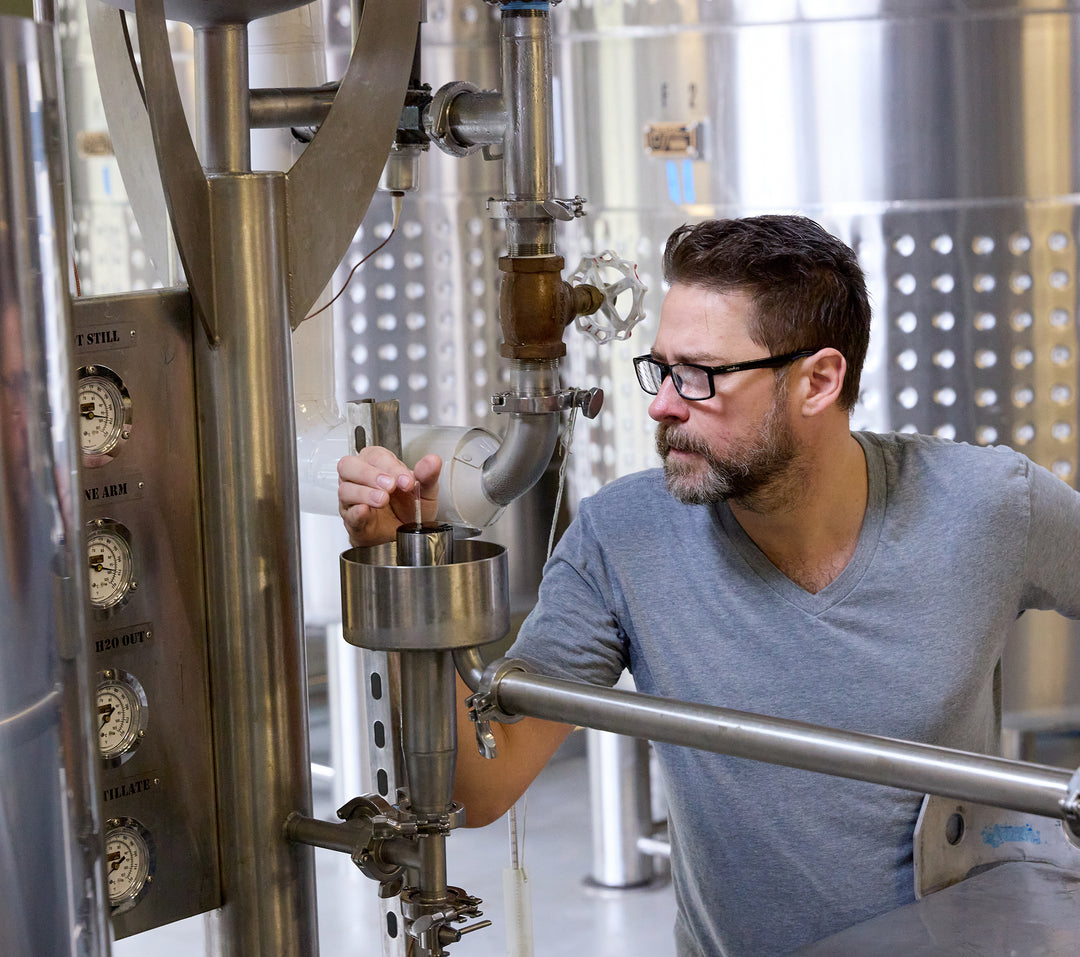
pixel 779 564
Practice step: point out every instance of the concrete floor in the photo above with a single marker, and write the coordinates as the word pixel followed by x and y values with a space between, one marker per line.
pixel 569 918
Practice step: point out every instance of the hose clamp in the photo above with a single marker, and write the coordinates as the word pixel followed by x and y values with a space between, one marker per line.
pixel 589 401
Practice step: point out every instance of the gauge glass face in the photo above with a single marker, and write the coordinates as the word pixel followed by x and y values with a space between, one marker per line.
pixel 102 414
pixel 112 571
pixel 128 864
pixel 121 709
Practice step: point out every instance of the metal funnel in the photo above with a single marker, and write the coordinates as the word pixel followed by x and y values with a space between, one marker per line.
pixel 391 607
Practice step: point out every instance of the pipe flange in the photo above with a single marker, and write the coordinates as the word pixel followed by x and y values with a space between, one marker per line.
pixel 437 119
pixel 484 708
pixel 484 704
pixel 1070 804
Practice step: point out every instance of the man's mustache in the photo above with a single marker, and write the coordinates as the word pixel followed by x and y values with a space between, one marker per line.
pixel 668 437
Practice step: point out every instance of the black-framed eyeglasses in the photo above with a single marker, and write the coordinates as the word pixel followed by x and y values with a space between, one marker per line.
pixel 694 382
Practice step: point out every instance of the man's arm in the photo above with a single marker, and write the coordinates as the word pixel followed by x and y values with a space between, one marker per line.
pixel 376 494
pixel 489 787
pixel 1052 561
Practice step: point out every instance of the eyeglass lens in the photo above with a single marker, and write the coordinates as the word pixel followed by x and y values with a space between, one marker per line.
pixel 689 381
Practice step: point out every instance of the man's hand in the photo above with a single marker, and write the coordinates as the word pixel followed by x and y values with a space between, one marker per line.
pixel 377 493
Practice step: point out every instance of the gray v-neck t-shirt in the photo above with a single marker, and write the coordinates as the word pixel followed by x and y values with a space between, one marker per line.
pixel 956 542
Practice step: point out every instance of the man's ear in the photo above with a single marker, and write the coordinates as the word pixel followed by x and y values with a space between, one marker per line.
pixel 821 380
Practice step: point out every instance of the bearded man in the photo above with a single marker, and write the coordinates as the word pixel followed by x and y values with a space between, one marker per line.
pixel 779 564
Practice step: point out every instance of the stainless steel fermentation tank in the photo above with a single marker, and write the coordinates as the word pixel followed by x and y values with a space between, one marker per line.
pixel 939 140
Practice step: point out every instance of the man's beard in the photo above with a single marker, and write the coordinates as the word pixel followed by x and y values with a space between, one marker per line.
pixel 746 470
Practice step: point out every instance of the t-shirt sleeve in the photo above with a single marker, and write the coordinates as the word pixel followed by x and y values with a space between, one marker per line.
pixel 573 631
pixel 1052 562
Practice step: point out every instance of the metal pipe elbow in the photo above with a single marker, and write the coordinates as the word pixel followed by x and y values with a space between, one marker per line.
pixel 522 457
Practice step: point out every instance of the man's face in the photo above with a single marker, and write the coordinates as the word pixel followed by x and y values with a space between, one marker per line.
pixel 736 444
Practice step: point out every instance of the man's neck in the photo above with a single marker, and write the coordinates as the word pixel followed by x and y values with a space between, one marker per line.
pixel 807 523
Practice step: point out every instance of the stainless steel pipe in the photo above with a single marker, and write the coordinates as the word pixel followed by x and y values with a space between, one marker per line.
pixel 278 109
pixel 478 119
pixel 429 718
pixel 620 808
pixel 528 162
pixel 920 767
pixel 251 524
pixel 223 97
pixel 529 443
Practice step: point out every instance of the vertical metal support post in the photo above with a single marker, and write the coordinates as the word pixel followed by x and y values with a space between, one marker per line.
pixel 251 513
pixel 224 98
pixel 375 677
pixel 621 809
pixel 52 899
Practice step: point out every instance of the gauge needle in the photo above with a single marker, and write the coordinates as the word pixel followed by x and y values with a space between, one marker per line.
pixel 115 860
pixel 106 713
pixel 101 567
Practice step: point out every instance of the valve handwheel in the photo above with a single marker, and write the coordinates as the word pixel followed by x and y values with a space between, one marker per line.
pixel 613 277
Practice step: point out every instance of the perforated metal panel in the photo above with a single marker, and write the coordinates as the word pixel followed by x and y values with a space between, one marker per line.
pixel 420 319
pixel 981 332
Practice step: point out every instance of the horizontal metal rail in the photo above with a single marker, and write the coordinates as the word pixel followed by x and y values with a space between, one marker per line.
pixel 926 768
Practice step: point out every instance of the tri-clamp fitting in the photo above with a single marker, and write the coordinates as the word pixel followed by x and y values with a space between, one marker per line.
pixel 484 705
pixel 383 841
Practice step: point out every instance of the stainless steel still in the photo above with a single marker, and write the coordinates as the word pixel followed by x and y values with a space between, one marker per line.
pixel 424 597
pixel 51 869
pixel 257 249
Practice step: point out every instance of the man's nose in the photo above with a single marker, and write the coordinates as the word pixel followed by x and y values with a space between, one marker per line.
pixel 668 404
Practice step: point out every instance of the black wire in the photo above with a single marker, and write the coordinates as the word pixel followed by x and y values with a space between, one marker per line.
pixel 348 278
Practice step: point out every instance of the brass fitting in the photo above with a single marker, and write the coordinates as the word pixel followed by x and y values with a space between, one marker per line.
pixel 536 305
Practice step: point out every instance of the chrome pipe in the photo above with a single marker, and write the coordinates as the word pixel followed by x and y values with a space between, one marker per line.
pixel 903 764
pixel 251 527
pixel 327 834
pixel 620 809
pixel 425 545
pixel 470 665
pixel 429 718
pixel 528 161
pixel 279 109
pixel 530 439
pixel 52 879
pixel 223 97
pixel 478 119
pixel 341 837
pixel 429 732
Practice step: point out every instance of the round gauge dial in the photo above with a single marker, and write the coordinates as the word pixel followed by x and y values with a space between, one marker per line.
pixel 122 715
pixel 129 862
pixel 104 413
pixel 112 568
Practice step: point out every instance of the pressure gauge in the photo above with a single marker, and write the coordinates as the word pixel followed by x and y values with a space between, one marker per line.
pixel 129 862
pixel 121 715
pixel 104 413
pixel 112 568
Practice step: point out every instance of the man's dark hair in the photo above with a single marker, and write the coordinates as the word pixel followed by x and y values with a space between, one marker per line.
pixel 807 287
